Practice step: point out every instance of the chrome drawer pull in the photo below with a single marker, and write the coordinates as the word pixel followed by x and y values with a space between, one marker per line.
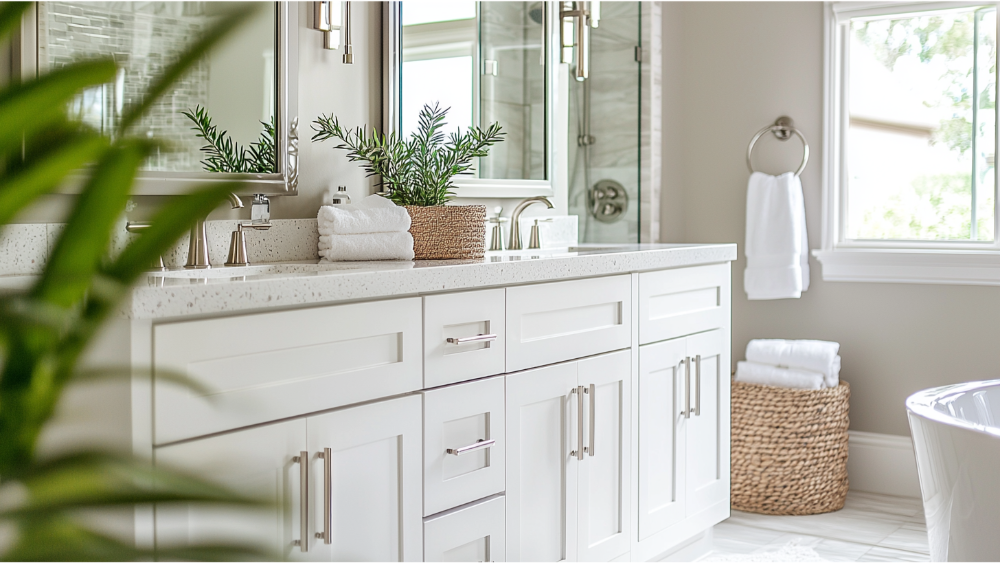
pixel 480 444
pixel 476 338
pixel 687 387
pixel 303 460
pixel 697 385
pixel 593 408
pixel 578 452
pixel 327 534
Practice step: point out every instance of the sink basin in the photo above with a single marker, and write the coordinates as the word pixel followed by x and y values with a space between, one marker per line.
pixel 538 253
pixel 256 270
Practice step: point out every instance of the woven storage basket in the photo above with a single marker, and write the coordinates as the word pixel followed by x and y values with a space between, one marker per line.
pixel 445 232
pixel 789 449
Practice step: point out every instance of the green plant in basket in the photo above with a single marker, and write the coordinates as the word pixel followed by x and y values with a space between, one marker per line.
pixel 48 503
pixel 418 171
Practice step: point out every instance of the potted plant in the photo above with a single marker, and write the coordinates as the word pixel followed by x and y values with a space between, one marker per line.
pixel 418 173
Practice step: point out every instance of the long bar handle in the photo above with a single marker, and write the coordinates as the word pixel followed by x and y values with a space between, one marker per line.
pixel 303 460
pixel 327 534
pixel 578 452
pixel 593 408
pixel 687 387
pixel 697 385
pixel 480 444
pixel 476 338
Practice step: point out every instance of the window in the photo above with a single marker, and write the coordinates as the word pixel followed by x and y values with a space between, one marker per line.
pixel 910 187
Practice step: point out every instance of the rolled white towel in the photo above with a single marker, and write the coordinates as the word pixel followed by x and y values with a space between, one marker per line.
pixel 813 355
pixel 371 246
pixel 374 214
pixel 762 374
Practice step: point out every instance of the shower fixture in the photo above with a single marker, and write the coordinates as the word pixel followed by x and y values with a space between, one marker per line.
pixel 575 21
pixel 607 201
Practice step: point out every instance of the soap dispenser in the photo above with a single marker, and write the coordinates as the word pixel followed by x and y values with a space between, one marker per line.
pixel 496 240
pixel 340 196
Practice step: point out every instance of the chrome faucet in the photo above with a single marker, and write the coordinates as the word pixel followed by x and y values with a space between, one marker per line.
pixel 198 243
pixel 515 230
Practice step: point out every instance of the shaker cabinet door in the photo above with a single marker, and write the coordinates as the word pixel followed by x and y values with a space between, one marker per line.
pixel 541 475
pixel 257 463
pixel 604 515
pixel 372 498
pixel 707 433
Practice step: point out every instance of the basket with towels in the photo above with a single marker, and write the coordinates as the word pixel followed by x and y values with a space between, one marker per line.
pixel 789 428
pixel 372 229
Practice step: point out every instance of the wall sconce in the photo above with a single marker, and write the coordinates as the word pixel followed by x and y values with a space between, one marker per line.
pixel 333 19
pixel 575 21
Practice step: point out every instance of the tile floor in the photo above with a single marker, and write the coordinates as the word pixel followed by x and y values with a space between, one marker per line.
pixel 870 527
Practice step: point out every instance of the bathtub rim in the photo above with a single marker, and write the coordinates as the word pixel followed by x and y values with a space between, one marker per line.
pixel 921 404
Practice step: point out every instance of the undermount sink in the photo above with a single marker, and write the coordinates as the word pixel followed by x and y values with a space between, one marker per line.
pixel 256 270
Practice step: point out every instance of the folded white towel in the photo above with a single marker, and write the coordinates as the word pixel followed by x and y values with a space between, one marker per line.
pixel 749 372
pixel 371 246
pixel 813 355
pixel 374 214
pixel 777 246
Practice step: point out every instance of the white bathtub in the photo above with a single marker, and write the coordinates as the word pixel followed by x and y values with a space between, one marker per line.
pixel 956 438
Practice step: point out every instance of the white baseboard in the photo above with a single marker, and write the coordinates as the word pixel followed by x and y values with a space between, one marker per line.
pixel 882 463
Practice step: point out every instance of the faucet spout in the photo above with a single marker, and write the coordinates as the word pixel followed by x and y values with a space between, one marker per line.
pixel 235 200
pixel 515 230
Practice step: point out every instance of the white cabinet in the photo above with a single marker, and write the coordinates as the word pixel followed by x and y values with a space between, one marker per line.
pixel 562 502
pixel 256 463
pixel 370 495
pixel 464 335
pixel 683 439
pixel 473 532
pixel 374 482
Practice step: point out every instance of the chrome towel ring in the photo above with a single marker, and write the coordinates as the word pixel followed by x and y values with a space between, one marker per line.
pixel 782 129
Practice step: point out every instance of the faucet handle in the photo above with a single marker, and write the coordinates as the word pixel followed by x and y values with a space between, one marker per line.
pixel 534 240
pixel 260 211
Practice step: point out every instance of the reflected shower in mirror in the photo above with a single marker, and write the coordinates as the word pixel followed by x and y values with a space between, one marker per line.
pixel 487 62
pixel 234 86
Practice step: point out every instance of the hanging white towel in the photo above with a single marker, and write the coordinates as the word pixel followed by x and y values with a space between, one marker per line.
pixel 814 355
pixel 374 214
pixel 749 372
pixel 371 246
pixel 777 246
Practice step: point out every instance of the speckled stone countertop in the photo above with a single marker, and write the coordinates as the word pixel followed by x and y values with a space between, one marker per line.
pixel 182 293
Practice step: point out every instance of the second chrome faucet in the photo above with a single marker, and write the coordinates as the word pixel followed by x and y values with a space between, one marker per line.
pixel 515 230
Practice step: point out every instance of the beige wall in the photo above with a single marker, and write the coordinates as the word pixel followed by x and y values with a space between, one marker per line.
pixel 738 67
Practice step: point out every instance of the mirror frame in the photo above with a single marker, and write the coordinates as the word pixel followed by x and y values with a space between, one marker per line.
pixel 392 69
pixel 283 182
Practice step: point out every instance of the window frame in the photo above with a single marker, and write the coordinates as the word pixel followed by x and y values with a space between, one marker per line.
pixel 842 259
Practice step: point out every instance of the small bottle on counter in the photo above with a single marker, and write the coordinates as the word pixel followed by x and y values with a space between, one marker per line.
pixel 339 197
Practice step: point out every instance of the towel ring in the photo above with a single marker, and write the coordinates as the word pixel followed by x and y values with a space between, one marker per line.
pixel 783 130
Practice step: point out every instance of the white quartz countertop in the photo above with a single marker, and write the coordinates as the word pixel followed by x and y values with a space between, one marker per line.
pixel 181 293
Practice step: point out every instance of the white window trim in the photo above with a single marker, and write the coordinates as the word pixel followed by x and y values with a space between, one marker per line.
pixel 961 263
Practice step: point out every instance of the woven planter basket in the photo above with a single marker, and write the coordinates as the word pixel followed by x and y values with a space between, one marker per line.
pixel 444 232
pixel 789 449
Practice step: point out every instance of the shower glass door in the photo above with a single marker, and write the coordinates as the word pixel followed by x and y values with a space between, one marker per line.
pixel 604 129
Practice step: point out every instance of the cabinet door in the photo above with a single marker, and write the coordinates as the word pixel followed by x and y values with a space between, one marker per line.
pixel 474 532
pixel 256 462
pixel 707 432
pixel 374 486
pixel 661 478
pixel 603 517
pixel 541 475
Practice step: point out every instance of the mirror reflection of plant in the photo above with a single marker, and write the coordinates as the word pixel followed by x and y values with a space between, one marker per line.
pixel 226 155
pixel 45 329
pixel 418 171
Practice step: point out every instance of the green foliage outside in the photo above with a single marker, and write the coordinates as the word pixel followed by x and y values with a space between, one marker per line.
pixel 48 502
pixel 223 154
pixel 938 207
pixel 419 171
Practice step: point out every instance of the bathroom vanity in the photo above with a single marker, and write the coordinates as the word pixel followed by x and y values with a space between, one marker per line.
pixel 545 405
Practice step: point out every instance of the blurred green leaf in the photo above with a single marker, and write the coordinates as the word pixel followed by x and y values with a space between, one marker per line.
pixel 10 16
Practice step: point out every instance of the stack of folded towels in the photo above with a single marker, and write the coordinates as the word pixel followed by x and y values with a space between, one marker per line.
pixel 798 364
pixel 372 229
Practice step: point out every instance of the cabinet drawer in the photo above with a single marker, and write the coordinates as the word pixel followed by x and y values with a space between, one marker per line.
pixel 675 303
pixel 554 322
pixel 257 368
pixel 460 316
pixel 455 418
pixel 470 533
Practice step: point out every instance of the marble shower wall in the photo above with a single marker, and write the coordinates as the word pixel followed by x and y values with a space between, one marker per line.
pixel 624 122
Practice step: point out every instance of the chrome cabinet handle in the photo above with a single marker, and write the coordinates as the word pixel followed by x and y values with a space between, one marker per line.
pixel 327 534
pixel 578 452
pixel 481 444
pixel 593 408
pixel 476 338
pixel 303 460
pixel 687 387
pixel 697 385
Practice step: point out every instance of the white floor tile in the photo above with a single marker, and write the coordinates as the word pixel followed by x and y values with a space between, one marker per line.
pixel 889 554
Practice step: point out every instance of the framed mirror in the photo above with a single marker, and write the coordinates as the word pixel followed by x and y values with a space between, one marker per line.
pixel 488 62
pixel 245 88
